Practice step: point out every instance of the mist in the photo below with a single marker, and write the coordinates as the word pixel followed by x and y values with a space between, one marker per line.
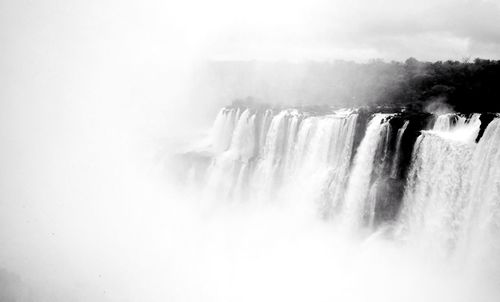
pixel 98 99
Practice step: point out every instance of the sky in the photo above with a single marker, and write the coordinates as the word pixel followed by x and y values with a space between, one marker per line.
pixel 146 31
pixel 363 30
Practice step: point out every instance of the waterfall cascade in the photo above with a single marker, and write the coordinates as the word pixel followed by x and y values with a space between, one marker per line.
pixel 430 179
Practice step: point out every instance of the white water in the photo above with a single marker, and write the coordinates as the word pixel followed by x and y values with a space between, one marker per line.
pixel 287 186
pixel 305 160
pixel 395 163
pixel 295 155
pixel 140 240
pixel 439 183
pixel 357 204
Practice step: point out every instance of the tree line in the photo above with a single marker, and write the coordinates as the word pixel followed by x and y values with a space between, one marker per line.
pixel 466 86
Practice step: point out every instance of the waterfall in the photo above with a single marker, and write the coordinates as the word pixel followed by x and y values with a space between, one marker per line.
pixel 357 205
pixel 435 187
pixel 395 162
pixel 439 182
pixel 281 154
pixel 401 203
pixel 480 230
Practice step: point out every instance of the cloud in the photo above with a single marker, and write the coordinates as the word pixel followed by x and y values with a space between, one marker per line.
pixel 154 31
pixel 360 30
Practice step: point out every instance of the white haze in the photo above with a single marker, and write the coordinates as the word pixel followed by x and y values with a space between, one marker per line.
pixel 94 96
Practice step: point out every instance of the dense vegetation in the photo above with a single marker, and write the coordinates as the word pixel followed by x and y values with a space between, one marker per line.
pixel 467 86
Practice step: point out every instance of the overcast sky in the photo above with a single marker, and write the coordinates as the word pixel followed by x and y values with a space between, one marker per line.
pixel 360 30
pixel 141 31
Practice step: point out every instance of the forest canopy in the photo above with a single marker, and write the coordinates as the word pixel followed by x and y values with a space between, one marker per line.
pixel 466 86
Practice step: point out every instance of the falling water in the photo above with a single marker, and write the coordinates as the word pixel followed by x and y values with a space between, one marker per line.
pixel 357 204
pixel 428 184
pixel 449 188
pixel 395 163
pixel 285 153
pixel 433 207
